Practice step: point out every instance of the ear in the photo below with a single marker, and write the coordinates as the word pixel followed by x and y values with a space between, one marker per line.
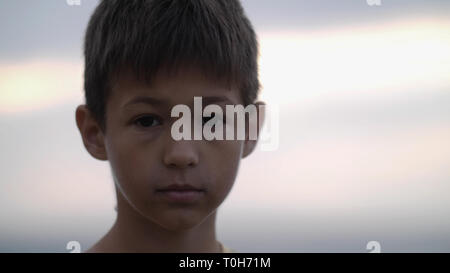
pixel 250 144
pixel 91 133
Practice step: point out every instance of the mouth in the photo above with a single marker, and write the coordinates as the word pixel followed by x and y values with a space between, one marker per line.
pixel 181 193
pixel 180 187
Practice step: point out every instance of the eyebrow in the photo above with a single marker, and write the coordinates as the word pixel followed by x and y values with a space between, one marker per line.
pixel 216 99
pixel 158 102
pixel 145 100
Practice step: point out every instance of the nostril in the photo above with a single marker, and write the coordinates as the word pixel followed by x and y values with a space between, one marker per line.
pixel 180 156
pixel 181 164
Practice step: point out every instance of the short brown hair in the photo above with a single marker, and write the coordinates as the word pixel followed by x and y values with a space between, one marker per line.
pixel 147 35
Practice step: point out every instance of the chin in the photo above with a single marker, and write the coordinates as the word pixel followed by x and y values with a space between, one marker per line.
pixel 180 222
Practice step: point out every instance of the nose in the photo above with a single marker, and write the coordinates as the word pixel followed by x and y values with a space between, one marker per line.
pixel 180 154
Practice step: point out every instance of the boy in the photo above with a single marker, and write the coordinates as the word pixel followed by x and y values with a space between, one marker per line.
pixel 143 57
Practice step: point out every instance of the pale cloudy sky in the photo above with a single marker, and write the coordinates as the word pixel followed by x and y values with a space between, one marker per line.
pixel 363 94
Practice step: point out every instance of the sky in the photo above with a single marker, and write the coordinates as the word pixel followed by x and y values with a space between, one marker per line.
pixel 363 94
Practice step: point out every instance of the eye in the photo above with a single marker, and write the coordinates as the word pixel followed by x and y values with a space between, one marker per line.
pixel 147 121
pixel 206 119
pixel 217 118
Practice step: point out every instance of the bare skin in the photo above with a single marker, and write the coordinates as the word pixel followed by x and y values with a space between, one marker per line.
pixel 144 158
pixel 140 235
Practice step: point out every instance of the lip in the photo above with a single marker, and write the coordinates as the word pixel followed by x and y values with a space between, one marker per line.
pixel 180 187
pixel 181 193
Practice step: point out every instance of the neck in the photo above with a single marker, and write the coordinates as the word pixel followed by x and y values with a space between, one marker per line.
pixel 132 232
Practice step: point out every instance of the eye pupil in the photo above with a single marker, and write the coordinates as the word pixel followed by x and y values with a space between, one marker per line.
pixel 146 121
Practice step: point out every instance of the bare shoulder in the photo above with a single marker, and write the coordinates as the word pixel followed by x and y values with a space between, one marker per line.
pixel 226 249
pixel 100 247
pixel 94 249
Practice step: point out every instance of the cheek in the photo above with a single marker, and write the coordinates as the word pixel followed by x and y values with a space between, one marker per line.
pixel 223 164
pixel 131 165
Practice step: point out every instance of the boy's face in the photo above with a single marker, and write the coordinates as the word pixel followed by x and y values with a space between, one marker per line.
pixel 145 158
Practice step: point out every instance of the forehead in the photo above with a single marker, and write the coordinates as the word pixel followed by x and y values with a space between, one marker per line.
pixel 171 88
